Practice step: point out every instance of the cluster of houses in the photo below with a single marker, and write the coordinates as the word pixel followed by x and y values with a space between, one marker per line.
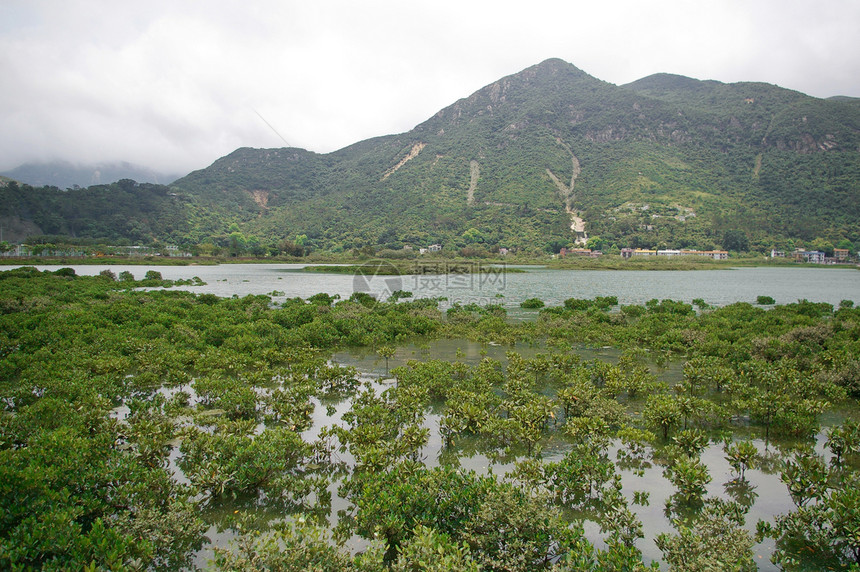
pixel 840 256
pixel 431 248
pixel 715 254
pixel 631 252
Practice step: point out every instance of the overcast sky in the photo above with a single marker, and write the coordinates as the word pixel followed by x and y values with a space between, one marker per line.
pixel 173 85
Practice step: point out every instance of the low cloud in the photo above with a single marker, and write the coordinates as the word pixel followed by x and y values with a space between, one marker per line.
pixel 174 86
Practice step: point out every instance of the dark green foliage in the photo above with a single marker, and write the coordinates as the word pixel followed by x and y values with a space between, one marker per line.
pixel 600 302
pixel 90 488
pixel 577 304
pixel 101 382
pixel 668 307
pixel 504 527
pixel 116 214
pixel 714 540
pixel 822 531
pixel 322 299
pixel 363 298
pixel 735 240
pixel 532 304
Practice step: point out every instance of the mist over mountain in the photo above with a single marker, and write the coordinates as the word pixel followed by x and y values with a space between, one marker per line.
pixel 537 160
pixel 65 175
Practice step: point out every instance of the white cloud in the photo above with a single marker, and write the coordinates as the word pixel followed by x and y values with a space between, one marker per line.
pixel 175 85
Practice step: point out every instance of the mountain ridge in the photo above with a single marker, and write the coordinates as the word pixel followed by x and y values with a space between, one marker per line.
pixel 663 161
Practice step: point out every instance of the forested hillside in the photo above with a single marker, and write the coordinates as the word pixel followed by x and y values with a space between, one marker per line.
pixel 119 212
pixel 666 161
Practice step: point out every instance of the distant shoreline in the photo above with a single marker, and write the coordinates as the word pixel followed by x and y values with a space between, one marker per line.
pixel 340 265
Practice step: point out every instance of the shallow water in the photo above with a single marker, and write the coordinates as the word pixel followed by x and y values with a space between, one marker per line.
pixel 770 494
pixel 716 287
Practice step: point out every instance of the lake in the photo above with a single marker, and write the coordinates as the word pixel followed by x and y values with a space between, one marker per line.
pixel 500 286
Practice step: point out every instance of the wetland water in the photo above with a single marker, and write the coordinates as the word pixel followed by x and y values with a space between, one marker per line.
pixel 716 287
pixel 763 486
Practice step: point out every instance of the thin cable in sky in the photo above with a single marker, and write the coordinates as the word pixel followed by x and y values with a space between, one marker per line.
pixel 275 131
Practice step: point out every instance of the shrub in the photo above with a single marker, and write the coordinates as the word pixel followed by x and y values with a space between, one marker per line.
pixel 364 299
pixel 577 304
pixel 633 311
pixel 323 299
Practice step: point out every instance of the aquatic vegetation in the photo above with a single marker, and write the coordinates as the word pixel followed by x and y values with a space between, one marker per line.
pixel 133 420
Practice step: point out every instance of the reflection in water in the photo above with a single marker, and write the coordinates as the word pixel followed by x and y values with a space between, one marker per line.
pixel 763 490
pixel 644 484
pixel 464 351
pixel 641 477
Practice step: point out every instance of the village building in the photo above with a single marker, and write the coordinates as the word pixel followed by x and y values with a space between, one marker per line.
pixel 811 256
pixel 644 252
pixel 715 254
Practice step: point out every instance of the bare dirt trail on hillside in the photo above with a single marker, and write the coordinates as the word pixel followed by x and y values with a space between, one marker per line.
pixel 474 173
pixel 577 225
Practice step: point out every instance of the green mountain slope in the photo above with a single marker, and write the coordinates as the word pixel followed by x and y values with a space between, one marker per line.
pixel 551 155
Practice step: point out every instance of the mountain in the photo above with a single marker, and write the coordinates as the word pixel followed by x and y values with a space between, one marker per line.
pixel 548 156
pixel 65 175
pixel 663 161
